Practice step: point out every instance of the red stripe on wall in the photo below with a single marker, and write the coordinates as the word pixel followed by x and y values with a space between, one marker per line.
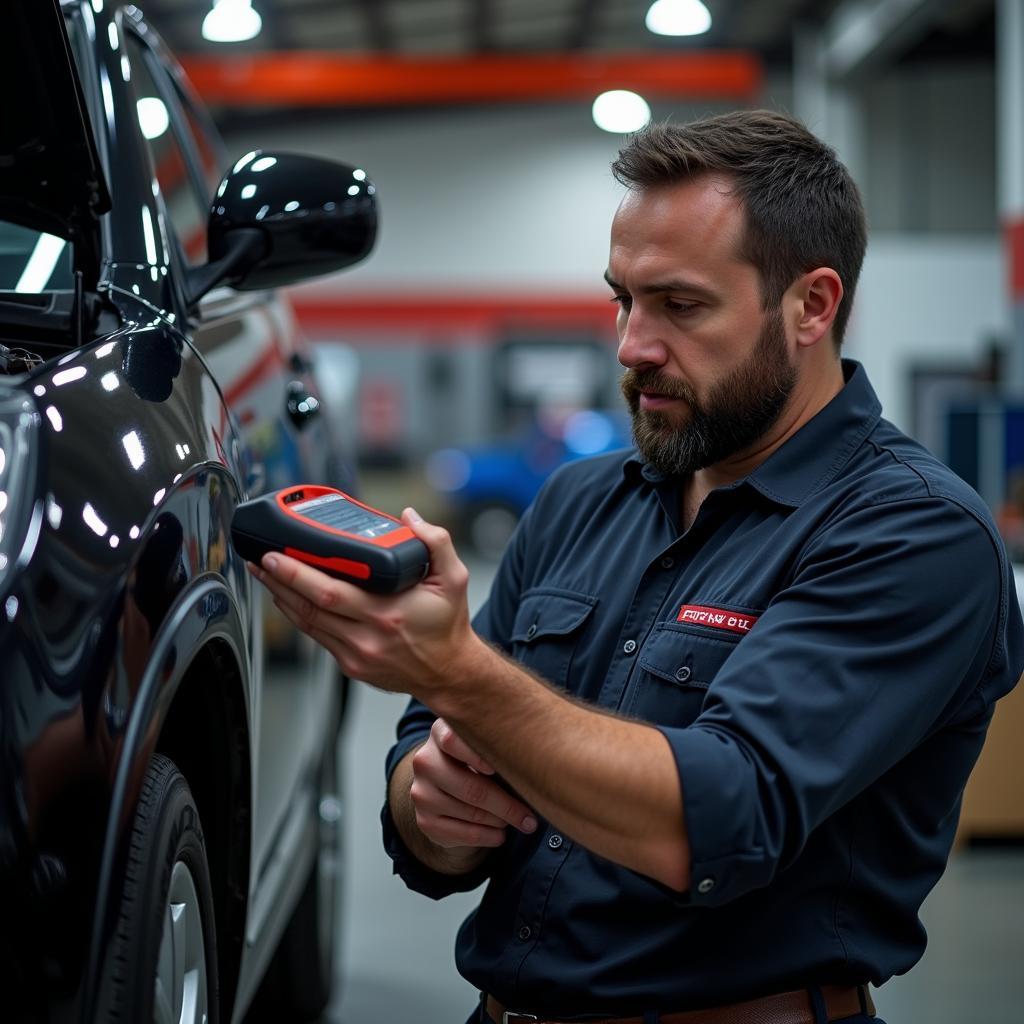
pixel 1015 257
pixel 473 317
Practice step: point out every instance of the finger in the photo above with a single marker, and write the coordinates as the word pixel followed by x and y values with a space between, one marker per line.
pixel 306 610
pixel 301 611
pixel 281 573
pixel 468 787
pixel 449 832
pixel 429 800
pixel 280 592
pixel 443 559
pixel 479 791
pixel 334 644
pixel 456 747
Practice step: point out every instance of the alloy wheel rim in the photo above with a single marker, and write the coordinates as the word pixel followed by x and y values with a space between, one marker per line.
pixel 180 990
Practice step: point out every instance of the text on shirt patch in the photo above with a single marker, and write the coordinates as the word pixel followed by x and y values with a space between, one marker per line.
pixel 717 618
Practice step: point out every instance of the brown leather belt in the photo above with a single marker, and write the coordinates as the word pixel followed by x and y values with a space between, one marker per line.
pixel 783 1008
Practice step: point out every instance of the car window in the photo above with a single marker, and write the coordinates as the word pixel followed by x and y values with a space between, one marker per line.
pixel 211 160
pixel 188 212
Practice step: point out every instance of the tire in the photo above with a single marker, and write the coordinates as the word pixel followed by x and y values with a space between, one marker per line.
pixel 298 983
pixel 161 963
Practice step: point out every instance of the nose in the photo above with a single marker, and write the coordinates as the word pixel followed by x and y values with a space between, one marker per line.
pixel 640 343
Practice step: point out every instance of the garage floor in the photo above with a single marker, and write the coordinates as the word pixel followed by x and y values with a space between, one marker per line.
pixel 395 962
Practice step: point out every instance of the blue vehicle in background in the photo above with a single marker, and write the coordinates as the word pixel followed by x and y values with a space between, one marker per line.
pixel 487 487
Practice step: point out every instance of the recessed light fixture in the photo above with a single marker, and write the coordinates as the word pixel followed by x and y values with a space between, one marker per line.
pixel 620 111
pixel 678 18
pixel 231 21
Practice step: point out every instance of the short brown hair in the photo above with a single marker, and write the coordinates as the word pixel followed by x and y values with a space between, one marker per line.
pixel 803 209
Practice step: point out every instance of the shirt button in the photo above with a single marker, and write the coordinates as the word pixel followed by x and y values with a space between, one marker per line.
pixel 683 674
pixel 525 932
pixel 629 646
pixel 705 886
pixel 531 632
pixel 667 563
pixel 555 842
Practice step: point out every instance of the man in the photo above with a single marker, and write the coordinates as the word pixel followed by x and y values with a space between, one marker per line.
pixel 708 737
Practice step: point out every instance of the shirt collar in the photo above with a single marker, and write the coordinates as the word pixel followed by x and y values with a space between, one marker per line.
pixel 814 454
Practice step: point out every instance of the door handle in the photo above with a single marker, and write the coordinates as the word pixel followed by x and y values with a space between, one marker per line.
pixel 302 406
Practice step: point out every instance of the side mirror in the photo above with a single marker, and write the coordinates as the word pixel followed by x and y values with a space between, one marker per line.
pixel 278 218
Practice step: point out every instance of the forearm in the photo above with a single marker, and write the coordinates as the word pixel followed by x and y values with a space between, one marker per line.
pixel 609 783
pixel 457 861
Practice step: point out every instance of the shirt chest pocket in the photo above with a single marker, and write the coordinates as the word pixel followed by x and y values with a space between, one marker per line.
pixel 673 673
pixel 547 630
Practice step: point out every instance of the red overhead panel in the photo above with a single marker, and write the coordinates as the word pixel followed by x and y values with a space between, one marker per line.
pixel 478 316
pixel 309 79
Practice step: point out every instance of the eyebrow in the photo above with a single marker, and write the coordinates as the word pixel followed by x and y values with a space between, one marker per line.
pixel 674 285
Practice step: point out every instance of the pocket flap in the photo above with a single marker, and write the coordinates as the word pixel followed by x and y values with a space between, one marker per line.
pixel 550 613
pixel 685 658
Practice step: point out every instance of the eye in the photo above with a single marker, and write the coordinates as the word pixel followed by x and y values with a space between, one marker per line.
pixel 625 301
pixel 680 307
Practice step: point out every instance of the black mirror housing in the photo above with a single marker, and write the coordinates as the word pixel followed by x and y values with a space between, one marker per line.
pixel 316 216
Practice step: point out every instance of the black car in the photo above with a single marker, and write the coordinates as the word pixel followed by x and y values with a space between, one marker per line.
pixel 168 806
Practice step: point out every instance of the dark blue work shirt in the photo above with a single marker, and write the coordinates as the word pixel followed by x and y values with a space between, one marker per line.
pixel 822 649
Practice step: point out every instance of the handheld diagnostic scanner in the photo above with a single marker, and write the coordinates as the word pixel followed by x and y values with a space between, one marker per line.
pixel 330 530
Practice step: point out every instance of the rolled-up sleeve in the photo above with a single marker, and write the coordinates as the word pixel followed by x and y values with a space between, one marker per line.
pixel 892 623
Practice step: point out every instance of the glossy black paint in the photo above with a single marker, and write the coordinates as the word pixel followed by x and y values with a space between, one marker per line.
pixel 128 624
pixel 317 216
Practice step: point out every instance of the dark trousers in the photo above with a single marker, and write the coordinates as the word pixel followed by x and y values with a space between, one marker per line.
pixel 479 1016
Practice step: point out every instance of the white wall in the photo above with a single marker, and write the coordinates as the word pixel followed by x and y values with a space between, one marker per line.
pixel 519 200
pixel 505 198
pixel 926 299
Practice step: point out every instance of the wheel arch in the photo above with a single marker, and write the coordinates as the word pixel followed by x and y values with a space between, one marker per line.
pixel 202 634
pixel 206 734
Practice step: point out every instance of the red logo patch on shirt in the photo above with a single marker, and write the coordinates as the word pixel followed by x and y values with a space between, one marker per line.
pixel 716 618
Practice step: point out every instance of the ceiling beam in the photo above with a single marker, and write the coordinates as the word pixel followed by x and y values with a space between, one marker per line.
pixel 377 28
pixel 274 26
pixel 584 23
pixel 316 79
pixel 481 26
pixel 861 33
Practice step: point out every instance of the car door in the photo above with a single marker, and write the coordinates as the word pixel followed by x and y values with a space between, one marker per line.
pixel 245 339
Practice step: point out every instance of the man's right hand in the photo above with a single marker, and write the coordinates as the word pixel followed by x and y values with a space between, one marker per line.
pixel 452 803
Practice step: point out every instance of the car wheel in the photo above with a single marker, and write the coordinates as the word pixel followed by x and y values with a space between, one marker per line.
pixel 298 983
pixel 489 527
pixel 161 964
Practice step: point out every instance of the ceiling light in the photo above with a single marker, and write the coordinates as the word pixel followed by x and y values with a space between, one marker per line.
pixel 620 111
pixel 678 18
pixel 231 21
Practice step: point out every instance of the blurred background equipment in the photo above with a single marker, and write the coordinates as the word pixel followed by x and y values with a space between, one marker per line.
pixel 488 487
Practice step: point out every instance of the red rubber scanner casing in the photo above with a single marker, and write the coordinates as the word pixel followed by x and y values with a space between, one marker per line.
pixel 378 552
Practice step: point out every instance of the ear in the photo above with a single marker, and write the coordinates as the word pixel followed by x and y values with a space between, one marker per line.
pixel 817 294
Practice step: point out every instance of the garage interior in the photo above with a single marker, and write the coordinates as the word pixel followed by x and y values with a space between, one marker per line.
pixel 473 119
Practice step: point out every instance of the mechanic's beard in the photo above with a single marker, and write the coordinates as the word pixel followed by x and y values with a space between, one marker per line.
pixel 738 412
